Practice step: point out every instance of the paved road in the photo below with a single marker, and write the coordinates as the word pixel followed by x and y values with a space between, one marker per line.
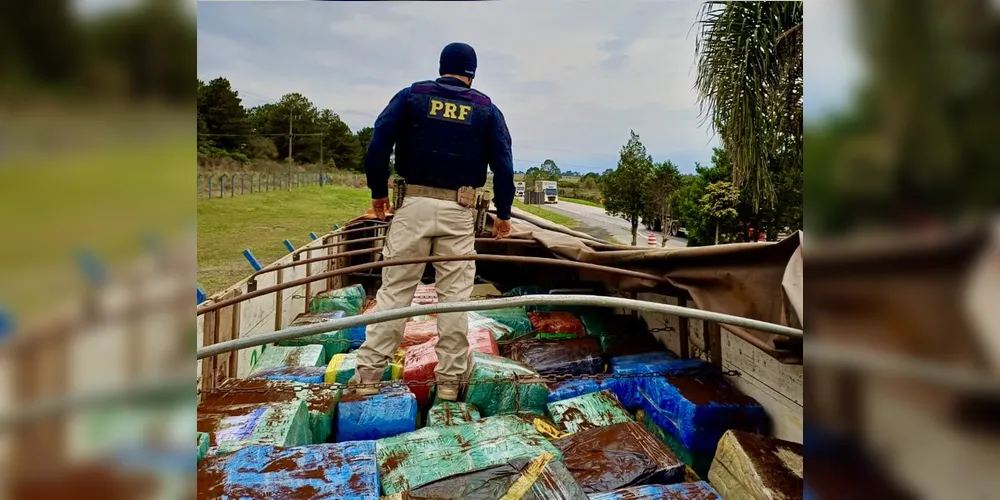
pixel 595 222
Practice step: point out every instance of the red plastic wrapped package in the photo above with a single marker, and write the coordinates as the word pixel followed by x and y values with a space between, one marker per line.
pixel 557 322
pixel 369 307
pixel 421 360
pixel 419 332
pixel 425 294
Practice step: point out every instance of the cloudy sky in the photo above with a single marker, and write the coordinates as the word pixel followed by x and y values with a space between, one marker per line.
pixel 572 78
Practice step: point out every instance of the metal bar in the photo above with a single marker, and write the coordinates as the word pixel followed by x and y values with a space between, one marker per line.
pixel 339 244
pixel 483 305
pixel 428 260
pixel 365 251
pixel 875 362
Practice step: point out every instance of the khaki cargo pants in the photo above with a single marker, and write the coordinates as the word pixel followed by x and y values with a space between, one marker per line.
pixel 423 227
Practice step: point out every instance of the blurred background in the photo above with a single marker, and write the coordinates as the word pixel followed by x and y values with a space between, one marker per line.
pixel 97 269
pixel 97 266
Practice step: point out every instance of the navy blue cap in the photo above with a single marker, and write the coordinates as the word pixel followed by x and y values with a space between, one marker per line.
pixel 458 59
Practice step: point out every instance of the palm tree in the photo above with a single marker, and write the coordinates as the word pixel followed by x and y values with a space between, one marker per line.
pixel 750 87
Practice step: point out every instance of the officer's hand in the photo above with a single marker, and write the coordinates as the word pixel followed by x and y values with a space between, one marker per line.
pixel 380 205
pixel 501 228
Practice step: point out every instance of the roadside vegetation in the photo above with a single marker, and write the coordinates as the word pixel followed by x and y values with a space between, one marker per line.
pixel 547 214
pixel 261 222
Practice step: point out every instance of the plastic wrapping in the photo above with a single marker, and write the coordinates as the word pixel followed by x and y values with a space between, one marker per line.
pixel 419 332
pixel 301 374
pixel 557 322
pixel 320 400
pixel 755 466
pixel 292 357
pixel 699 490
pixel 597 409
pixel 514 318
pixel 233 427
pixel 342 366
pixel 539 478
pixel 627 389
pixel 341 470
pixel 602 324
pixel 605 459
pixel 575 356
pixel 421 361
pixel 425 294
pixel 349 299
pixel 369 306
pixel 203 441
pixel 494 397
pixel 500 331
pixel 333 342
pixel 697 410
pixel 698 462
pixel 625 345
pixel 577 387
pixel 411 460
pixel 361 418
pixel 449 413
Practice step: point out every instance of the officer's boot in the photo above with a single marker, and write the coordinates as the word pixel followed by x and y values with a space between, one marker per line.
pixel 364 376
pixel 450 391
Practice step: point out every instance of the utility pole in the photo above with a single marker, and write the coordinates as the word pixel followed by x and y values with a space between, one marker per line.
pixel 289 179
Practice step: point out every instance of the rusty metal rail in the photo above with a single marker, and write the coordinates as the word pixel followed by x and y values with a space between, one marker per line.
pixel 482 305
pixel 429 260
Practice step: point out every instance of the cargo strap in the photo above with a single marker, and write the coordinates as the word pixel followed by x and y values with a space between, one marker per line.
pixel 527 480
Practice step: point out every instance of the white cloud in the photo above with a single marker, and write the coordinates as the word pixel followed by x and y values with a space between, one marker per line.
pixel 572 78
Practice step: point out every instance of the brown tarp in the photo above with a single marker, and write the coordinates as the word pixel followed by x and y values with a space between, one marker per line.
pixel 761 281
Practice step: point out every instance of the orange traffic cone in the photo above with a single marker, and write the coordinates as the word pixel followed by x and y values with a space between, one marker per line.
pixel 652 240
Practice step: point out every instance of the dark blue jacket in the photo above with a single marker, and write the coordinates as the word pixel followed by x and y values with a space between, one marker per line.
pixel 445 135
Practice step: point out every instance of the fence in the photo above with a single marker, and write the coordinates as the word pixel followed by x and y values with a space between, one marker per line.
pixel 223 185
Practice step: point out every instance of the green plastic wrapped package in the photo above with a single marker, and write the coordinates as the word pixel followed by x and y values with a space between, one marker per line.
pixel 698 463
pixel 334 342
pixel 350 299
pixel 321 400
pixel 539 478
pixel 500 331
pixel 515 318
pixel 417 458
pixel 537 290
pixel 202 445
pixel 498 397
pixel 595 409
pixel 450 413
pixel 234 427
pixel 290 357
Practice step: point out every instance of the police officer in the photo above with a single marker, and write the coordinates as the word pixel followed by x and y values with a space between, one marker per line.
pixel 445 135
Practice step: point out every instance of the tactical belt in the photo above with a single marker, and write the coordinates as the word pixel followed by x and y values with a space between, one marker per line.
pixel 465 196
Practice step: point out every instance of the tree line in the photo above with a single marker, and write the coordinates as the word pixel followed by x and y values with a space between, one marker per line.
pixel 292 129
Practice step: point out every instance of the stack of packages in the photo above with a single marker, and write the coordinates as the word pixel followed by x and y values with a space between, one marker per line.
pixel 754 466
pixel 514 434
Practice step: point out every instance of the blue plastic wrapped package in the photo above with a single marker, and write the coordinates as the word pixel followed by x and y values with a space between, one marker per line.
pixel 697 409
pixel 340 470
pixel 349 299
pixel 303 374
pixel 577 387
pixel 699 490
pixel 597 409
pixel 383 415
pixel 658 363
pixel 334 342
pixel 698 462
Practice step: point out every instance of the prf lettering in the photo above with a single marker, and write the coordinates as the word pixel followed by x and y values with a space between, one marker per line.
pixel 449 110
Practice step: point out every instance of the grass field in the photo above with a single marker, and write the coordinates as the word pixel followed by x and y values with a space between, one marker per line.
pixel 261 222
pixel 546 214
pixel 581 202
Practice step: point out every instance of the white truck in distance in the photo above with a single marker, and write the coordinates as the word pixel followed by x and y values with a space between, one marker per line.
pixel 519 190
pixel 550 193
